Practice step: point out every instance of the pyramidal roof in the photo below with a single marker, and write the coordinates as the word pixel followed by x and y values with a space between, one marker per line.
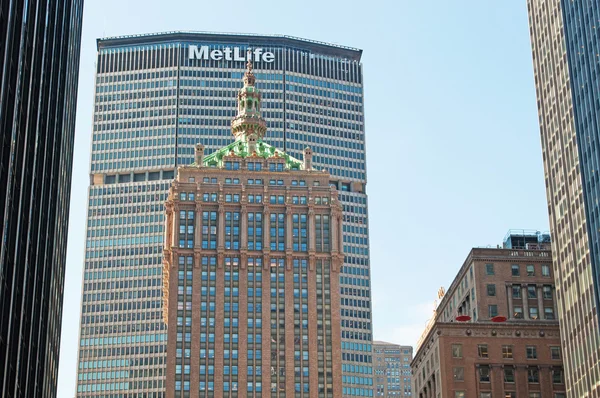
pixel 240 148
pixel 249 128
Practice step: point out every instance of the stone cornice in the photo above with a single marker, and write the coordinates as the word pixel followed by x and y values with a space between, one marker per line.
pixel 539 329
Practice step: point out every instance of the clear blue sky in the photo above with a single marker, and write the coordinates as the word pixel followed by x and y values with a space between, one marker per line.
pixel 453 148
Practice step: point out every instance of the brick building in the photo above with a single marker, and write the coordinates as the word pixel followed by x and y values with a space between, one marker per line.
pixel 391 365
pixel 253 250
pixel 494 333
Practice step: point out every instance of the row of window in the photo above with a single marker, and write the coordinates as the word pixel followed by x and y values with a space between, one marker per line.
pixel 516 270
pixel 518 312
pixel 507 352
pixel 235 198
pixel 533 374
pixel 517 289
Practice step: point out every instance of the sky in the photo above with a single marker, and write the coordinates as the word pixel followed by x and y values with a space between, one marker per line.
pixel 453 149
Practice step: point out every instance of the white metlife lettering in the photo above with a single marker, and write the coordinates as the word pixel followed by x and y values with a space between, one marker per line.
pixel 230 54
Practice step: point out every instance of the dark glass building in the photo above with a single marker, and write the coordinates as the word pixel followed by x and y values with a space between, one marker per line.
pixel 566 58
pixel 39 57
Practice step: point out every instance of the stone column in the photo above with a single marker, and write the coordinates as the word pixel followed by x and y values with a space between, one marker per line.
pixel 509 297
pixel 175 237
pixel 220 235
pixel 525 301
pixel 334 231
pixel 540 300
pixel 545 380
pixel 288 229
pixel 221 228
pixel 554 301
pixel 244 228
pixel 169 232
pixel 340 222
pixel 288 240
pixel 267 248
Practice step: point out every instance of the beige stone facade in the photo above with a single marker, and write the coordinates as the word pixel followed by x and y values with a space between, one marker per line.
pixel 494 333
pixel 391 367
pixel 564 191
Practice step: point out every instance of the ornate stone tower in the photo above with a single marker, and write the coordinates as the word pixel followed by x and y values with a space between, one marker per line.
pixel 252 259
pixel 249 125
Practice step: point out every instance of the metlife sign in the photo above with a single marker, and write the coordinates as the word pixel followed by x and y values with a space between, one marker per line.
pixel 230 54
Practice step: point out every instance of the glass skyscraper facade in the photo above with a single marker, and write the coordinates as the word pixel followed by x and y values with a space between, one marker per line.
pixel 156 97
pixel 39 64
pixel 566 57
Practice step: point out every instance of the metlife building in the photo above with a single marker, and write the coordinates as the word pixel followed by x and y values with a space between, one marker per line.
pixel 156 97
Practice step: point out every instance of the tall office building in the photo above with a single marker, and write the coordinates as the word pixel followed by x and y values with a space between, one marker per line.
pixel 39 60
pixel 392 374
pixel 159 95
pixel 251 272
pixel 564 37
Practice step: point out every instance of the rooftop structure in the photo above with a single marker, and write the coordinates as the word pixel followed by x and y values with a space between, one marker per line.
pixel 526 239
pixel 333 50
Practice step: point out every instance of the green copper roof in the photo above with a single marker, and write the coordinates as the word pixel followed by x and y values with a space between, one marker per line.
pixel 240 148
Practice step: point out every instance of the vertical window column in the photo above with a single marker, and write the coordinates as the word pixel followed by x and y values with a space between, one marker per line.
pixel 267 236
pixel 311 229
pixel 322 232
pixel 288 233
pixel 232 230
pixel 186 229
pixel 277 231
pixel 169 226
pixel 299 232
pixel 254 228
pixel 209 230
pixel 278 327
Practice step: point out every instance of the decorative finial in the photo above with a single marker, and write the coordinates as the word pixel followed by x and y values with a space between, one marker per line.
pixel 308 158
pixel 199 154
pixel 441 293
pixel 248 124
pixel 249 78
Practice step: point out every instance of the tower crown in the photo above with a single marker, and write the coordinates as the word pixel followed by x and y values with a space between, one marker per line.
pixel 249 125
